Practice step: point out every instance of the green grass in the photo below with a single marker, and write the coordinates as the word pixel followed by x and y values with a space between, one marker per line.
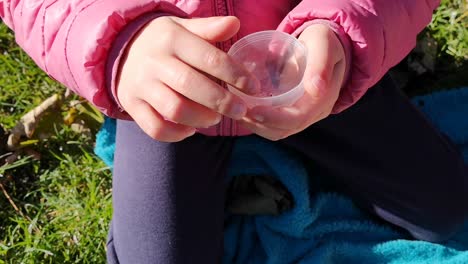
pixel 65 216
pixel 444 44
pixel 56 208
pixel 23 85
pixel 449 28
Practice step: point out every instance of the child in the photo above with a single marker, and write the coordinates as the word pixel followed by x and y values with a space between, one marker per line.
pixel 160 67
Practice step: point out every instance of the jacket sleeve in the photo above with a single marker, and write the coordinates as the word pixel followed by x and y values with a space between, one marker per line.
pixel 380 32
pixel 71 40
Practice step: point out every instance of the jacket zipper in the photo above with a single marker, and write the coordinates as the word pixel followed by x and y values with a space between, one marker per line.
pixel 221 8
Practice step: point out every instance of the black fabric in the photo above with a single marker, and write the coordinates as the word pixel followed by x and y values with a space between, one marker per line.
pixel 169 198
pixel 390 159
pixel 257 195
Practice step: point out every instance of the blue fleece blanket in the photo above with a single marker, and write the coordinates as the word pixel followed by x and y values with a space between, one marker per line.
pixel 327 227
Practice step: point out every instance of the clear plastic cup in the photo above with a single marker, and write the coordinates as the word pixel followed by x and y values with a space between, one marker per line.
pixel 278 61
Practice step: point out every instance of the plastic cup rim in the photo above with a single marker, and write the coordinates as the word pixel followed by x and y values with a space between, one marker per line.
pixel 235 48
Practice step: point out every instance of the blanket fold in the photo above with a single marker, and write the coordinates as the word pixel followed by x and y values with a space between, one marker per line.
pixel 326 227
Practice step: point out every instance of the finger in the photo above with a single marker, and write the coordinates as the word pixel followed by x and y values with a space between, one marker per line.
pixel 295 117
pixel 325 51
pixel 214 29
pixel 322 81
pixel 177 108
pixel 321 40
pixel 154 125
pixel 280 118
pixel 199 88
pixel 300 115
pixel 273 134
pixel 211 60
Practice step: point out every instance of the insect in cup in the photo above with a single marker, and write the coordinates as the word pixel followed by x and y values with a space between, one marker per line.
pixel 278 61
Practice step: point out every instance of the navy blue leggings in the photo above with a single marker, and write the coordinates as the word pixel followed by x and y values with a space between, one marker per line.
pixel 168 198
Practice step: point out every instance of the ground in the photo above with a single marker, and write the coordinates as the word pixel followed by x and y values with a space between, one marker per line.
pixel 55 194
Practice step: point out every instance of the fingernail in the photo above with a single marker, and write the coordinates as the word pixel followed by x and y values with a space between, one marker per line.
pixel 238 110
pixel 217 120
pixel 253 86
pixel 319 83
pixel 192 132
pixel 249 85
pixel 258 118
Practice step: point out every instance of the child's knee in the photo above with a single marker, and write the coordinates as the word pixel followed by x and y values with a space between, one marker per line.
pixel 434 218
pixel 438 232
pixel 441 220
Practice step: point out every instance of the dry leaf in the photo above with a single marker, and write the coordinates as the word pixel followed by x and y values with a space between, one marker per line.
pixel 27 124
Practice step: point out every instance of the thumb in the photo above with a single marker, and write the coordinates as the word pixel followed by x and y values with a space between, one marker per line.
pixel 320 77
pixel 211 29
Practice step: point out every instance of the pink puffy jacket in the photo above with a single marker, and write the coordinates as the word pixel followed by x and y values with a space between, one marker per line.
pixel 79 42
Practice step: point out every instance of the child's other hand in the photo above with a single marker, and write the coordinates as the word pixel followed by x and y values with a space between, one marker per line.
pixel 167 83
pixel 322 81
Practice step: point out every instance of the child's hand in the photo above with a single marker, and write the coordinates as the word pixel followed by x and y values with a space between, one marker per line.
pixel 168 79
pixel 322 81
